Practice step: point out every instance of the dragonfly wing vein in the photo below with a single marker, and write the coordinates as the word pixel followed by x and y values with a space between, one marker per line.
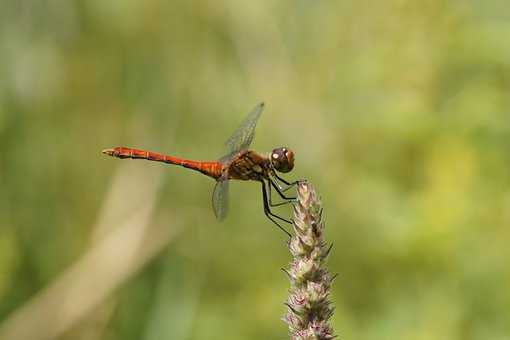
pixel 243 136
pixel 220 198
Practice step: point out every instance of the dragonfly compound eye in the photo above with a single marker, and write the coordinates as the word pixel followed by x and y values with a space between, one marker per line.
pixel 282 159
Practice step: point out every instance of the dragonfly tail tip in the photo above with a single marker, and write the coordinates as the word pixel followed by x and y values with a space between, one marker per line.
pixel 108 152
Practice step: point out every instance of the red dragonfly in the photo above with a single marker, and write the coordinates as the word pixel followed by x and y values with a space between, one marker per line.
pixel 239 163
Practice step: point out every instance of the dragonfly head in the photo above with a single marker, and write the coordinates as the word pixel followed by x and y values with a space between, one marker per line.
pixel 282 159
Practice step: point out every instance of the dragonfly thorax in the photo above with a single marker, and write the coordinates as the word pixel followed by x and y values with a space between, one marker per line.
pixel 282 159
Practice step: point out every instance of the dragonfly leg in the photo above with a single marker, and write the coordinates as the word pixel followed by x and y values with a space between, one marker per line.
pixel 280 191
pixel 289 184
pixel 268 212
pixel 287 200
pixel 267 202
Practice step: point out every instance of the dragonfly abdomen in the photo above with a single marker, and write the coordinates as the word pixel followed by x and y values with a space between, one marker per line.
pixel 212 169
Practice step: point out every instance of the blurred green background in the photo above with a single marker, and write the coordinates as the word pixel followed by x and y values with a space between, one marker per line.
pixel 398 112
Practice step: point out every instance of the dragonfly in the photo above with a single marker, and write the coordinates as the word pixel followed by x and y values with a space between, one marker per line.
pixel 239 163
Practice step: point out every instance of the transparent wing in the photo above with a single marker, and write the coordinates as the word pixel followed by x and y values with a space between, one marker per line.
pixel 243 136
pixel 220 199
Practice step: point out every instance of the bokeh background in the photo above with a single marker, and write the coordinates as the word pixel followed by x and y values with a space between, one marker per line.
pixel 398 112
